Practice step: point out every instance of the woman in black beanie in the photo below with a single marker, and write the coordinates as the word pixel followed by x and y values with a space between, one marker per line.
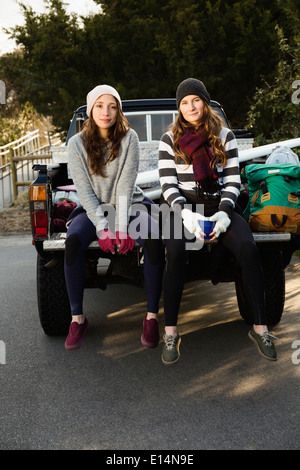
pixel 199 165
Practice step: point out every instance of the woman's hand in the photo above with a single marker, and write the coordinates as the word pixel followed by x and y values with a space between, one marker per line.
pixel 191 222
pixel 107 241
pixel 124 242
pixel 222 223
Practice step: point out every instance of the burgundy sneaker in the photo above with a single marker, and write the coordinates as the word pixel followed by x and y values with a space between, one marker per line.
pixel 150 335
pixel 76 333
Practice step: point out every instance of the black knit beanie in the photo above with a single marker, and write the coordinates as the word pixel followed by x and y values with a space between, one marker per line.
pixel 191 86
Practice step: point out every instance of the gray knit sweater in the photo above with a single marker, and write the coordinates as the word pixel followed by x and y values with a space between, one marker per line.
pixel 118 189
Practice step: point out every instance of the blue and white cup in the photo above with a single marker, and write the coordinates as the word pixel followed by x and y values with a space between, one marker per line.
pixel 207 227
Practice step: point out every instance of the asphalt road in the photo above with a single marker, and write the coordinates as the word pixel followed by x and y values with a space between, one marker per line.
pixel 113 394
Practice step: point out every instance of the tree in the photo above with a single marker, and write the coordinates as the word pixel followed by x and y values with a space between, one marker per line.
pixel 15 125
pixel 134 61
pixel 226 44
pixel 15 118
pixel 49 64
pixel 145 49
pixel 274 114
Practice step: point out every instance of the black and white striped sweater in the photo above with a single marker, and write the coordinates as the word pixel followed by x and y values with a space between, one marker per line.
pixel 177 179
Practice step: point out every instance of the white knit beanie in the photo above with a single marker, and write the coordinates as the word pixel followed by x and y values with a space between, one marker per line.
pixel 99 90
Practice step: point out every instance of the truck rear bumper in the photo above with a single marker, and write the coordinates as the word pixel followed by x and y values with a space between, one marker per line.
pixel 58 240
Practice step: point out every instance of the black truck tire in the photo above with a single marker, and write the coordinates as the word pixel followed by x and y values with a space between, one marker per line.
pixel 274 279
pixel 52 296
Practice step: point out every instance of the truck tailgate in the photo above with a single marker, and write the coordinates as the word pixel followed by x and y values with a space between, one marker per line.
pixel 57 241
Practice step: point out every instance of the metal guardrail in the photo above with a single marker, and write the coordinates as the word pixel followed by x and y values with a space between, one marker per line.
pixel 22 146
pixel 16 162
pixel 24 162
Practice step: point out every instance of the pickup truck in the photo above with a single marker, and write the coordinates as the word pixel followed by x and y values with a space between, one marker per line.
pixel 53 183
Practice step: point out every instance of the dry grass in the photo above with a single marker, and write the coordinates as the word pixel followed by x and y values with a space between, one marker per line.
pixel 16 218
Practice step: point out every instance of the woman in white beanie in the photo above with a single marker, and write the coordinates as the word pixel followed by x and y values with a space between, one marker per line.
pixel 103 161
pixel 199 165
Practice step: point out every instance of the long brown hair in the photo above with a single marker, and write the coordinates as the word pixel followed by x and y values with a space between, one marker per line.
pixel 96 146
pixel 212 123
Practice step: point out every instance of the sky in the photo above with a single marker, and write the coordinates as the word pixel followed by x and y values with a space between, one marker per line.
pixel 10 15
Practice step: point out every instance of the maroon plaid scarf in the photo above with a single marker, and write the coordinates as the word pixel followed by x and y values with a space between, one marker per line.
pixel 196 147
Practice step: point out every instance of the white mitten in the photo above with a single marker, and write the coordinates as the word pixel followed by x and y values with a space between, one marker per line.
pixel 222 222
pixel 191 221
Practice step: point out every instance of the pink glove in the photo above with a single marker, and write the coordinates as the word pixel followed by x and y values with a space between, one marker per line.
pixel 124 242
pixel 107 240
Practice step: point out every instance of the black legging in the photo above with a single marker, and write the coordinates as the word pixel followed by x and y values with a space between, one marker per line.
pixel 239 240
pixel 82 232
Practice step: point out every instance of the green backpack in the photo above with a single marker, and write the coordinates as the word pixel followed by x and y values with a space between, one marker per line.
pixel 274 197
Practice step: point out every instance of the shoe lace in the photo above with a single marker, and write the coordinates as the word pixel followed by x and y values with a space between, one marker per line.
pixel 267 338
pixel 169 342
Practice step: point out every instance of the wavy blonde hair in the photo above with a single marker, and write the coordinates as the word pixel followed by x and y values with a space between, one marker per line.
pixel 213 125
pixel 95 145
